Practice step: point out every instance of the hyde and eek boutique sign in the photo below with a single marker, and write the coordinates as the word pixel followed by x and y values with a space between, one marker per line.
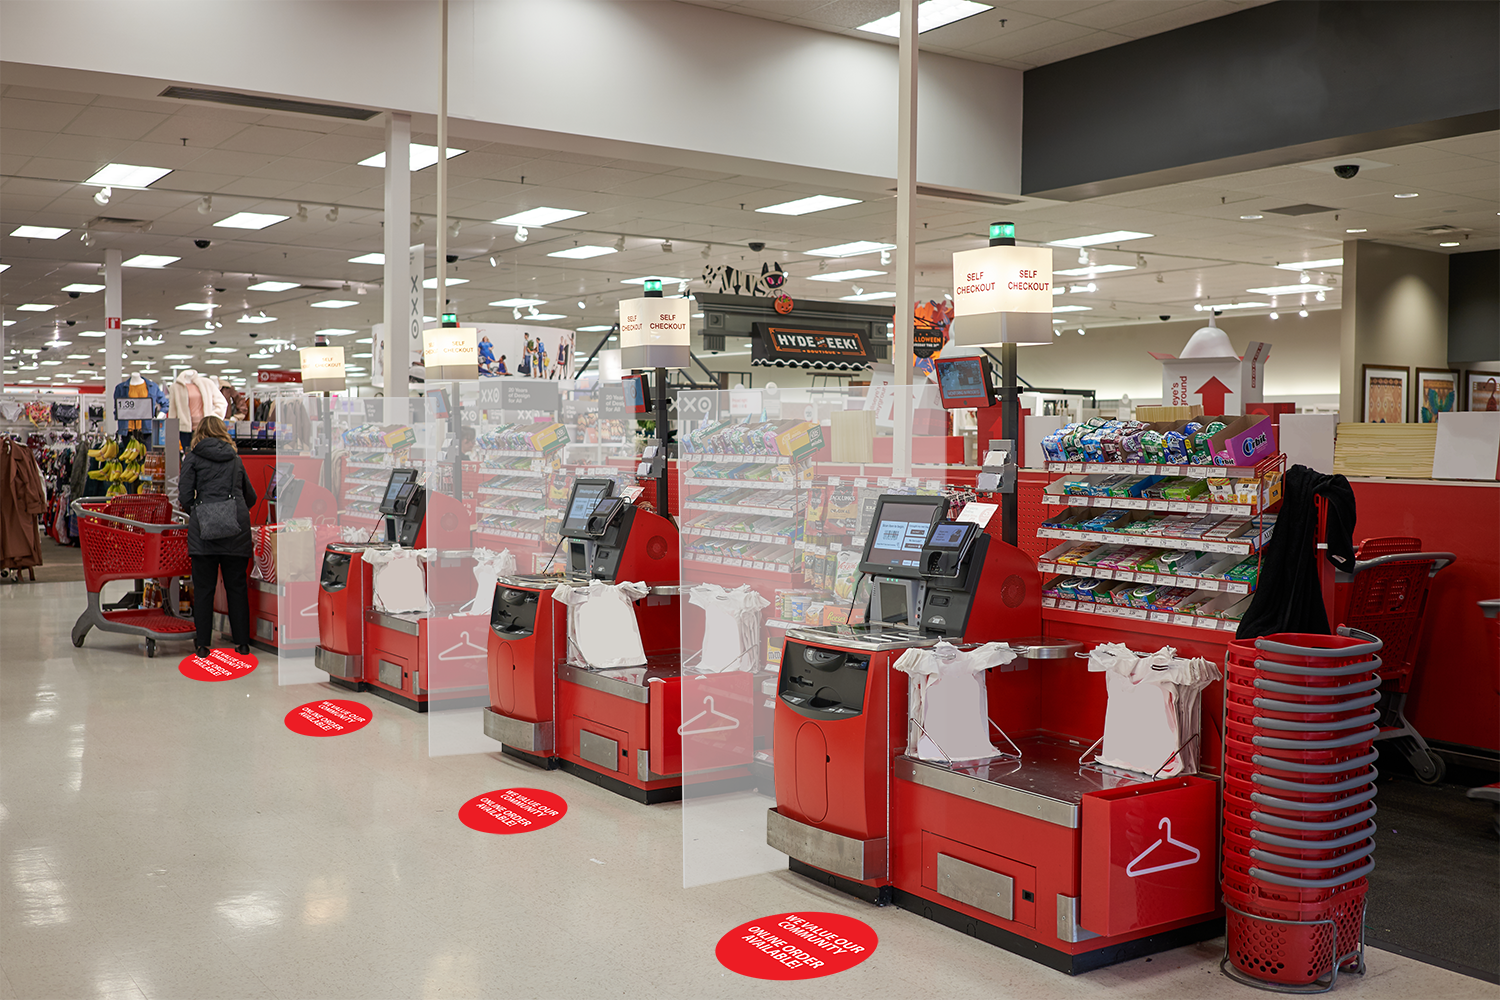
pixel 800 346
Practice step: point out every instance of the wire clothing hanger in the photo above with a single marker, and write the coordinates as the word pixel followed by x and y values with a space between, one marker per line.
pixel 708 710
pixel 463 644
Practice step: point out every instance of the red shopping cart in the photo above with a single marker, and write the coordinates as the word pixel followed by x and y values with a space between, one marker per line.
pixel 1386 595
pixel 132 538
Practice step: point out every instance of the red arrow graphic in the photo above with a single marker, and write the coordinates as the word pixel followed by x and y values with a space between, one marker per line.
pixel 1213 392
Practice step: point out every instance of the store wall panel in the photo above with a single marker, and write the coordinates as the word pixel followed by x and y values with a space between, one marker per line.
pixel 1395 312
pixel 1275 84
pixel 1474 307
pixel 636 76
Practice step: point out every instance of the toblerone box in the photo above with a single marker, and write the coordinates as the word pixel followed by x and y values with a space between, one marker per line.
pixel 801 439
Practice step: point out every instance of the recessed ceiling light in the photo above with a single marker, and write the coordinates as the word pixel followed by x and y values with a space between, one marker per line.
pixel 1309 286
pixel 35 307
pixel 806 206
pixel 930 14
pixel 334 332
pixel 582 253
pixel 422 157
pixel 1072 309
pixel 79 357
pixel 1094 269
pixel 850 249
pixel 432 282
pixel 248 318
pixel 222 350
pixel 1449 244
pixel 364 340
pixel 518 303
pixel 364 354
pixel 1407 194
pixel 59 343
pixel 232 371
pixel 4 268
pixel 867 297
pixel 594 329
pixel 1239 305
pixel 1356 230
pixel 270 366
pixel 195 333
pixel 202 307
pixel 79 286
pixel 216 361
pixel 544 317
pixel 139 322
pixel 844 275
pixel 127 176
pixel 368 258
pixel 251 220
pixel 88 333
pixel 40 232
pixel 1312 265
pixel 333 304
pixel 1118 236
pixel 273 286
pixel 179 357
pixel 539 217
pixel 149 260
pixel 1252 218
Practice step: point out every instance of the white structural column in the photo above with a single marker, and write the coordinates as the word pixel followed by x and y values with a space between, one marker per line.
pixel 114 340
pixel 397 288
pixel 906 251
pixel 442 171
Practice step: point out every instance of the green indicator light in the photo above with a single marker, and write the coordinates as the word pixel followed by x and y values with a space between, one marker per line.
pixel 450 318
pixel 653 286
pixel 1002 230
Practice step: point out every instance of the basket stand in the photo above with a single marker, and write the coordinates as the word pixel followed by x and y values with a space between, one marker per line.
pixel 1322 985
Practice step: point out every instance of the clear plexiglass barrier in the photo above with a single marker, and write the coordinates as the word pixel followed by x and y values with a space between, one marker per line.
pixel 776 494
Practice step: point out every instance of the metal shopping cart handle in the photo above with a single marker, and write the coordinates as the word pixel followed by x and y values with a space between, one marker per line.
pixel 1272 878
pixel 1307 690
pixel 1368 830
pixel 1353 739
pixel 80 509
pixel 1310 865
pixel 1277 667
pixel 1312 825
pixel 1303 708
pixel 1372 644
pixel 1291 805
pixel 1281 764
pixel 1281 725
pixel 1301 786
pixel 1440 560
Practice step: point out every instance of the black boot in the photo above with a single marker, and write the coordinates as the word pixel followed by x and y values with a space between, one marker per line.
pixel 201 650
pixel 242 649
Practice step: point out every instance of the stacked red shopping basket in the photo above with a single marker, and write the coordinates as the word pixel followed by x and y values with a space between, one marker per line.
pixel 1299 785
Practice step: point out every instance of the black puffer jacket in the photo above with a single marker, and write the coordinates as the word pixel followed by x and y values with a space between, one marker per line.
pixel 213 471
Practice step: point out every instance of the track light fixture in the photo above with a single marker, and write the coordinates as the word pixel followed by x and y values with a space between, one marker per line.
pixel 205 204
pixel 521 234
pixel 1160 278
pixel 515 313
pixel 582 304
pixel 1083 256
pixel 454 227
pixel 705 251
pixel 492 262
pixel 102 196
pixel 619 244
pixel 1302 313
pixel 666 246
pixel 532 311
pixel 885 257
pixel 87 238
pixel 1080 331
pixel 301 212
pixel 416 223
pixel 1275 315
pixel 333 214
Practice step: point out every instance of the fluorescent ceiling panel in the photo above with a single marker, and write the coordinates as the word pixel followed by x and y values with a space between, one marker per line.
pixel 582 253
pixel 1311 286
pixel 79 286
pixel 931 14
pixel 1312 265
pixel 250 220
pixel 539 217
pixel 1096 269
pixel 1118 236
pixel 368 258
pixel 40 232
pixel 850 249
pixel 35 307
pixel 595 329
pixel 518 303
pixel 256 319
pixel 334 332
pixel 806 206
pixel 149 260
pixel 126 175
pixel 432 282
pixel 1072 309
pixel 334 304
pixel 422 156
pixel 139 322
pixel 201 307
pixel 844 275
pixel 544 317
pixel 867 297
pixel 88 333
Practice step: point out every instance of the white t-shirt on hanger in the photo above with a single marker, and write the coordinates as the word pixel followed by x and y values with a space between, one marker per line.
pixel 602 627
pixel 947 707
pixel 731 626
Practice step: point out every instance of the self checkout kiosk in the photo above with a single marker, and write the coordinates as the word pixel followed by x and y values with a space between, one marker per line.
pixel 364 647
pixel 1004 848
pixel 608 725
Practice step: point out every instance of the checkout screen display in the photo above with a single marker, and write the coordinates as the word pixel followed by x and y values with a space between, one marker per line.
pixel 896 540
pixel 400 487
pixel 948 536
pixel 586 496
pixel 963 382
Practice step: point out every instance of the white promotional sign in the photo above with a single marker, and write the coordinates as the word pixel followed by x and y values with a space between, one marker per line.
pixel 654 333
pixel 1002 295
pixel 322 368
pixel 451 352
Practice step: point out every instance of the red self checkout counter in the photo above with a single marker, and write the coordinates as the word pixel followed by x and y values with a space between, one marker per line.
pixel 363 648
pixel 614 727
pixel 1019 849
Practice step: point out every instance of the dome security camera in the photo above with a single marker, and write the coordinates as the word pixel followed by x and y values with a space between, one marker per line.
pixel 1163 318
pixel 212 343
pixel 254 335
pixel 72 322
pixel 134 351
pixel 219 290
pixel 1346 170
pixel 756 246
pixel 201 244
pixel 74 295
pixel 453 258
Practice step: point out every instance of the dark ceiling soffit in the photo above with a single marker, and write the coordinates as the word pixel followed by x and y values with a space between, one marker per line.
pixel 269 103
pixel 734 315
pixel 1402 135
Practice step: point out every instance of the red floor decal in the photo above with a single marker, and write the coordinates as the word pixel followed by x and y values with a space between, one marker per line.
pixel 512 810
pixel 796 946
pixel 218 665
pixel 328 718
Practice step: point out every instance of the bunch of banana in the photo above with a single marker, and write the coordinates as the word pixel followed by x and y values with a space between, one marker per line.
pixel 134 451
pixel 108 450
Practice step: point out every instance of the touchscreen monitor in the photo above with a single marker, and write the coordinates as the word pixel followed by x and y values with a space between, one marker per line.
pixel 965 381
pixel 898 532
pixel 392 502
pixel 585 495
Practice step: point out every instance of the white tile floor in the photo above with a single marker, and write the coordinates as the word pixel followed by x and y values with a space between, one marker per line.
pixel 162 837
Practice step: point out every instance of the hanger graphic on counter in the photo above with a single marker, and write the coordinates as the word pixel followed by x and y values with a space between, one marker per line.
pixel 709 715
pixel 461 650
pixel 1165 824
pixel 311 611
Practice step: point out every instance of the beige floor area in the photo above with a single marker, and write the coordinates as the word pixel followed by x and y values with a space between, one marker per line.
pixel 161 837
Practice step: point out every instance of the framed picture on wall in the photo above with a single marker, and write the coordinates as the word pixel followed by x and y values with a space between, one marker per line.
pixel 1437 392
pixel 1385 394
pixel 1481 390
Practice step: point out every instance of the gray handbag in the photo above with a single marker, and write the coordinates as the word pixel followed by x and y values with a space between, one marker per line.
pixel 218 518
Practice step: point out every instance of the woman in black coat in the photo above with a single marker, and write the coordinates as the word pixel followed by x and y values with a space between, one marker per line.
pixel 211 471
